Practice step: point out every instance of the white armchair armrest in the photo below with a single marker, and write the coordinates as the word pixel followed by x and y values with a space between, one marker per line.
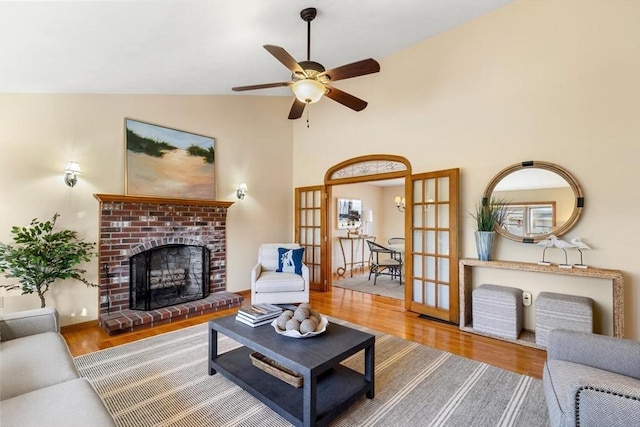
pixel 255 273
pixel 305 274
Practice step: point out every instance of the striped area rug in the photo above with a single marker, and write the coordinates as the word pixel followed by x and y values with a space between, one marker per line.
pixel 163 381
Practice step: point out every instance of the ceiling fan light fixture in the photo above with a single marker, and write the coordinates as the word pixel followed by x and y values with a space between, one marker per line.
pixel 308 91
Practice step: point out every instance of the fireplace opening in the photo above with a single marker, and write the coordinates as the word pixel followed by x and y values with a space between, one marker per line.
pixel 168 275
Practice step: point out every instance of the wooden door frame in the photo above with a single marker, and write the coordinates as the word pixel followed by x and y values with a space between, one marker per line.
pixel 321 284
pixel 452 313
pixel 330 180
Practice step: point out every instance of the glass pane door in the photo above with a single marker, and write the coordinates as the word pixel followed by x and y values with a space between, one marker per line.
pixel 434 245
pixel 309 231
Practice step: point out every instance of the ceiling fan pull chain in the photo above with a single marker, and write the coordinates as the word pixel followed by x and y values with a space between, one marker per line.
pixel 308 118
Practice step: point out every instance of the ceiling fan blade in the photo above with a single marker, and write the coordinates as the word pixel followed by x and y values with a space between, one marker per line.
pixel 345 99
pixel 355 69
pixel 296 109
pixel 284 57
pixel 262 86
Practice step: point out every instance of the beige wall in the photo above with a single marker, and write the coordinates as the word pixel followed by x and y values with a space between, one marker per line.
pixel 39 134
pixel 557 81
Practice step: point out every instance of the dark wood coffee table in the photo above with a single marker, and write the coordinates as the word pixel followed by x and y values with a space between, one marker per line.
pixel 328 386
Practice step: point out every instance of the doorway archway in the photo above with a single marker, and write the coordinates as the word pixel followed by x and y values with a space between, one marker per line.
pixel 430 229
pixel 357 170
pixel 431 258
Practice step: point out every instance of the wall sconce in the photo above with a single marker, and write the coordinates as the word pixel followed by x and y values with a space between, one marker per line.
pixel 242 191
pixel 71 173
pixel 400 203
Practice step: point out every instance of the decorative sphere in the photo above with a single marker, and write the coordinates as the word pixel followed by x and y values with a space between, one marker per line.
pixel 309 325
pixel 305 305
pixel 316 315
pixel 292 325
pixel 287 313
pixel 301 314
pixel 281 322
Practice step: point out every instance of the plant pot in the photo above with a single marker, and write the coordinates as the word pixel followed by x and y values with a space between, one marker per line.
pixel 484 244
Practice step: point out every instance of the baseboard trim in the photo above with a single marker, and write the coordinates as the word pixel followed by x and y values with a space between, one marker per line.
pixel 76 326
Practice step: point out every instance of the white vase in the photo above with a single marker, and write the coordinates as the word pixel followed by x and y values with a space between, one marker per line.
pixel 484 244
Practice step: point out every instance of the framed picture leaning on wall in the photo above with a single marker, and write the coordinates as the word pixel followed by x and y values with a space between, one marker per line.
pixel 170 163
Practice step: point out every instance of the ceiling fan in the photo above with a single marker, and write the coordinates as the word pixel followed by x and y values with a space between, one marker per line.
pixel 310 81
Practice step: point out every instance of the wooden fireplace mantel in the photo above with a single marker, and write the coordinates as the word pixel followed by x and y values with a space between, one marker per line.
pixel 119 198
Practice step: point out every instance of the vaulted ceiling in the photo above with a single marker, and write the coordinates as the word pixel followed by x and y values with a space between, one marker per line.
pixel 202 47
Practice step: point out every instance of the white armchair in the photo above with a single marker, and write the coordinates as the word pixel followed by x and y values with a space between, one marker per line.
pixel 269 286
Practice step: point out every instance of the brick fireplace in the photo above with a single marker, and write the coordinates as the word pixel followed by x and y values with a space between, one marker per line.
pixel 131 225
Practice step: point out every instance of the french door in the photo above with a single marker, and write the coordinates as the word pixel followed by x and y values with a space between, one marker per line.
pixel 432 282
pixel 310 231
pixel 431 230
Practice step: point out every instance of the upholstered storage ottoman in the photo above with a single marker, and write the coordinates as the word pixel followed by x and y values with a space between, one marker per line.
pixel 497 310
pixel 561 311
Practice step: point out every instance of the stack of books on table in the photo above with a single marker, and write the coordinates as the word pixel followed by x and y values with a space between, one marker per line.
pixel 258 314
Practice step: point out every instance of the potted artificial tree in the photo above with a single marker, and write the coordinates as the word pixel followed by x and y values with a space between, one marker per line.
pixel 41 256
pixel 489 214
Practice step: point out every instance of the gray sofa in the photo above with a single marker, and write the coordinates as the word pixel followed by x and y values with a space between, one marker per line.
pixel 39 383
pixel 592 380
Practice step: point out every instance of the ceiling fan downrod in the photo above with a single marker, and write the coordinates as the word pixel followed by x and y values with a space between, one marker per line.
pixel 308 15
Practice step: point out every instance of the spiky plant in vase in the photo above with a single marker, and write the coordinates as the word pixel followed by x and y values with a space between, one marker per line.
pixel 41 256
pixel 489 214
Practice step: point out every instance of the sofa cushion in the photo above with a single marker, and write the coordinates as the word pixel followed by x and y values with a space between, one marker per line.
pixel 69 404
pixel 270 281
pixel 34 362
pixel 567 378
pixel 290 260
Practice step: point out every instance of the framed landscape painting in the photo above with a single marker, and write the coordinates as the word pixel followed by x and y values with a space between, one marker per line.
pixel 170 163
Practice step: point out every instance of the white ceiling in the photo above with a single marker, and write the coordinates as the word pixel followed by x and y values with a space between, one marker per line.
pixel 202 47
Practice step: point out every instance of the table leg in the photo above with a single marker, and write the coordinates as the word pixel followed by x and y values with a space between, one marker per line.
pixel 344 259
pixel 369 369
pixel 213 349
pixel 309 400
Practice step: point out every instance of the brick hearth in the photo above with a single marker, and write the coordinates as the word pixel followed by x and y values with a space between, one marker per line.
pixel 130 225
pixel 128 320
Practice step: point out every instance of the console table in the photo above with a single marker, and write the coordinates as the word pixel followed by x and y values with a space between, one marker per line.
pixel 466 288
pixel 354 242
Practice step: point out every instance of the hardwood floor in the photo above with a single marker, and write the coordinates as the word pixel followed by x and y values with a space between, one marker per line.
pixel 376 312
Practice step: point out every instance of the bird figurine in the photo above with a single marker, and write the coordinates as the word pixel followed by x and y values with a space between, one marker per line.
pixel 580 246
pixel 546 244
pixel 555 242
pixel 564 245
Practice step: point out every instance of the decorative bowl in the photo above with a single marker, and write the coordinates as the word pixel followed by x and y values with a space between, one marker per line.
pixel 322 326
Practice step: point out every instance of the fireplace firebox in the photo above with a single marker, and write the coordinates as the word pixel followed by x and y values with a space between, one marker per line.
pixel 168 275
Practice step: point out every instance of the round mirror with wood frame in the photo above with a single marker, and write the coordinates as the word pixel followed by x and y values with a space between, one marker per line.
pixel 542 199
